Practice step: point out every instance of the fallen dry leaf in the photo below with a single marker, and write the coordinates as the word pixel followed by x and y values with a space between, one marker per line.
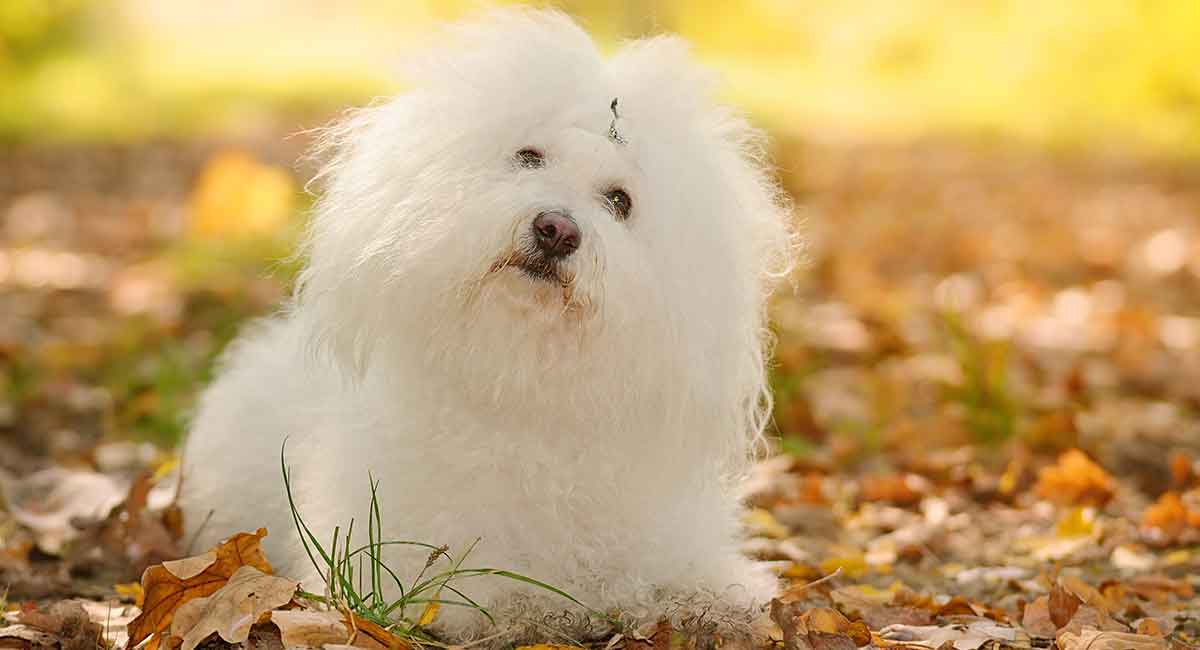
pixel 229 612
pixel 429 614
pixel 1088 617
pixel 313 629
pixel 1101 640
pixel 1075 480
pixel 1133 558
pixel 761 522
pixel 1036 618
pixel 819 628
pixel 47 502
pixel 969 636
pixel 113 619
pixel 1078 522
pixel 25 636
pixel 371 635
pixel 133 536
pixel 828 641
pixel 67 621
pixel 1168 520
pixel 900 489
pixel 1154 626
pixel 1086 593
pixel 1182 471
pixel 1159 588
pixel 1063 604
pixel 171 584
pixel 878 610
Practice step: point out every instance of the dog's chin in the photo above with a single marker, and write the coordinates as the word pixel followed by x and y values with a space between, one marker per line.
pixel 536 269
pixel 543 271
pixel 534 284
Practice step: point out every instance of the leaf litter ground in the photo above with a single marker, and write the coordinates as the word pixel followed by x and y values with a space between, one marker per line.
pixel 986 378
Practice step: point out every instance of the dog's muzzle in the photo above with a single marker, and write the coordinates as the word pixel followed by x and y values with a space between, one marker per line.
pixel 553 237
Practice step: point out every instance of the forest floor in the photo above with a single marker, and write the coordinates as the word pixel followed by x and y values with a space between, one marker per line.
pixel 987 380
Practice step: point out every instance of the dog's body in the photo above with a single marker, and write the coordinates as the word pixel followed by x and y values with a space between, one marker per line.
pixel 533 323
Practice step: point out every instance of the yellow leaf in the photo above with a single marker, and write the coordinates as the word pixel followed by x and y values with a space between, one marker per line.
pixel 165 467
pixel 240 196
pixel 430 613
pixel 853 566
pixel 132 590
pixel 762 523
pixel 1011 476
pixel 1175 558
pixel 1078 522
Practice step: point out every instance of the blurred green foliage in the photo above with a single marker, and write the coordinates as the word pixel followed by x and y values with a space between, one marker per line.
pixel 29 29
pixel 991 411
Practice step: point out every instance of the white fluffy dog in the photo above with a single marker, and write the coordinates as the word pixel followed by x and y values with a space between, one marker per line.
pixel 535 317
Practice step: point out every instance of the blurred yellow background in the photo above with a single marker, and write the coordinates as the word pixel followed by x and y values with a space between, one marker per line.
pixel 1096 72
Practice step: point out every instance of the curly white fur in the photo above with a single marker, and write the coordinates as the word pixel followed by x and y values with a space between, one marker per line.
pixel 591 433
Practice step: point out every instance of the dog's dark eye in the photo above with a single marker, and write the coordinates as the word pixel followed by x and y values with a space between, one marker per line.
pixel 530 159
pixel 619 202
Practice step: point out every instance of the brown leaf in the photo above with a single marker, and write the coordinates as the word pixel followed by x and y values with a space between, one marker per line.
pixel 1181 469
pixel 1063 605
pixel 231 610
pixel 900 489
pixel 170 584
pixel 823 619
pixel 1088 617
pixel 1154 626
pixel 957 606
pixel 859 633
pixel 1101 640
pixel 976 634
pixel 784 615
pixel 134 533
pixel 370 635
pixel 820 628
pixel 67 621
pixel 828 641
pixel 1159 589
pixel 309 628
pixel 1036 618
pixel 49 503
pixel 1086 593
pixel 855 601
pixel 24 636
pixel 1075 480
pixel 1165 521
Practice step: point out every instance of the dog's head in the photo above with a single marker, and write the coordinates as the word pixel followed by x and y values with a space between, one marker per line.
pixel 530 214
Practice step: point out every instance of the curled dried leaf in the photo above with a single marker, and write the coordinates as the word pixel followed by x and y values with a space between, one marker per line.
pixel 247 597
pixel 169 585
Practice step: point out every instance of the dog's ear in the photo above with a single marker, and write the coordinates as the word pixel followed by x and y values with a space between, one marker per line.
pixel 338 294
pixel 670 91
pixel 672 97
pixel 336 321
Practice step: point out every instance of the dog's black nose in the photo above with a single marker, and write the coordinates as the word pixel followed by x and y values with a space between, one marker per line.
pixel 556 233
